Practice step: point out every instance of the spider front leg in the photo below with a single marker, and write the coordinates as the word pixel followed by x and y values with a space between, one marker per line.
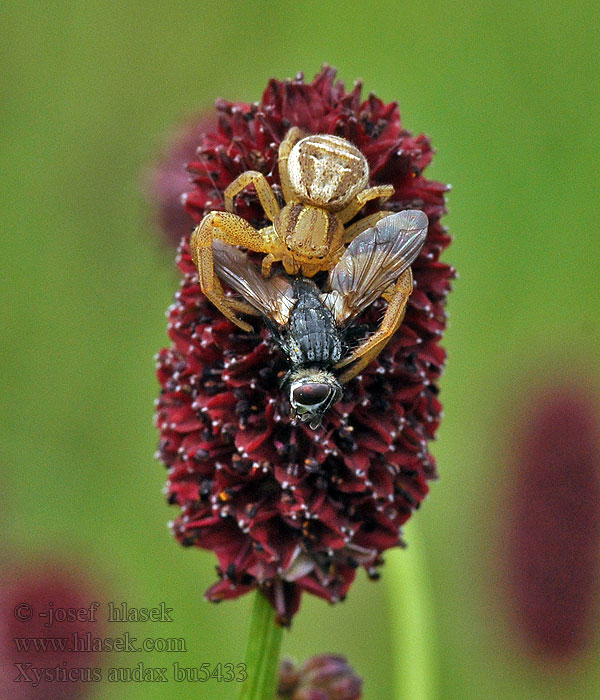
pixel 265 194
pixel 285 147
pixel 382 192
pixel 364 354
pixel 233 230
pixel 352 231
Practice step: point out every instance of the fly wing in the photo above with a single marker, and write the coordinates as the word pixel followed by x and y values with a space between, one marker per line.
pixel 273 297
pixel 374 260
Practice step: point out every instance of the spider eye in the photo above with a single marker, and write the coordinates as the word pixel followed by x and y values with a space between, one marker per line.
pixel 311 394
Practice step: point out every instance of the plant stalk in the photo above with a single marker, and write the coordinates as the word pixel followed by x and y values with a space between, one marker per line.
pixel 262 652
pixel 413 622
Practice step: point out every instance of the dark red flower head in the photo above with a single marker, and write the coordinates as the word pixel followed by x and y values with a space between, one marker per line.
pixel 551 550
pixel 167 182
pixel 42 639
pixel 285 507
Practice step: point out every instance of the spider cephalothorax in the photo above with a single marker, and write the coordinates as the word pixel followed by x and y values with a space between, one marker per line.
pixel 324 179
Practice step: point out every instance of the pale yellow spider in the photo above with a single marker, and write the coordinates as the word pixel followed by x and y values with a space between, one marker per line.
pixel 324 179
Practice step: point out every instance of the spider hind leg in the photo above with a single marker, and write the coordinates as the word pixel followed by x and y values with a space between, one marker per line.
pixel 365 353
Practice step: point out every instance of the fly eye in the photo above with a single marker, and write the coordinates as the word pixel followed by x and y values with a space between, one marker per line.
pixel 311 394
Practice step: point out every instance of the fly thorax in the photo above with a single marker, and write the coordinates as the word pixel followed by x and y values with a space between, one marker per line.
pixel 312 328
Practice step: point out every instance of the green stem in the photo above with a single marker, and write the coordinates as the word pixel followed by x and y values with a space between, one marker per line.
pixel 262 652
pixel 413 627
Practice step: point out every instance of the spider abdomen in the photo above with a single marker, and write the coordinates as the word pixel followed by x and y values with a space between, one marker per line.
pixel 327 171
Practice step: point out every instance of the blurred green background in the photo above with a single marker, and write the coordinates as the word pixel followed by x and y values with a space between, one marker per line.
pixel 509 94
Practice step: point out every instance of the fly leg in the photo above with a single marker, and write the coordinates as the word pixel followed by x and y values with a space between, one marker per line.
pixel 364 354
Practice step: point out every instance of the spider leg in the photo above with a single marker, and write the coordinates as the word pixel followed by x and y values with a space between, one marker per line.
pixel 352 231
pixel 382 192
pixel 364 354
pixel 265 194
pixel 267 262
pixel 242 306
pixel 291 139
pixel 234 230
pixel 228 305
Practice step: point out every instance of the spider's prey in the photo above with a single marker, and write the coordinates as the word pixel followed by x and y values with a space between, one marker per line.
pixel 311 325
